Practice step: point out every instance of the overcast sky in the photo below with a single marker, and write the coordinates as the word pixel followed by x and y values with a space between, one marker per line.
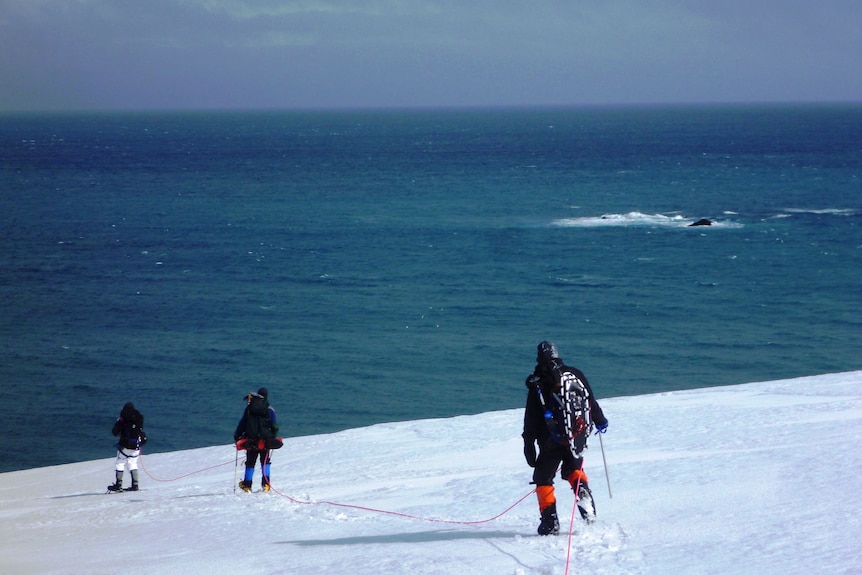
pixel 202 54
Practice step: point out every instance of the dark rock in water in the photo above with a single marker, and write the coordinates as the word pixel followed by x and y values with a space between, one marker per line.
pixel 701 222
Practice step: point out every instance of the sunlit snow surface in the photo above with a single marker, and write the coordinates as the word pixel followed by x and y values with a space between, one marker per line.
pixel 756 478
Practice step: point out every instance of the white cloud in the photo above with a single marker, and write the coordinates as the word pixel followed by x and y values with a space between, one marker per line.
pixel 248 10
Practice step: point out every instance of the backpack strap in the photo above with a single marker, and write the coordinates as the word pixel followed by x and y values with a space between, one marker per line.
pixel 550 421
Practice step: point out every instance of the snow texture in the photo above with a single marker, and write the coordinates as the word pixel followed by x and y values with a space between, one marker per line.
pixel 756 478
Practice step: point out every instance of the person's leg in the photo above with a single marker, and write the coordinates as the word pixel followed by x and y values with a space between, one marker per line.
pixel 577 478
pixel 119 467
pixel 543 476
pixel 132 463
pixel 264 469
pixel 250 461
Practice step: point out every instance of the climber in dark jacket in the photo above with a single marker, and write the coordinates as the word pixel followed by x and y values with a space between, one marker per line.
pixel 130 429
pixel 544 425
pixel 255 428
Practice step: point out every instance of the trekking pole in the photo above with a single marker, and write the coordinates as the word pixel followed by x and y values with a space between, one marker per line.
pixel 235 465
pixel 605 461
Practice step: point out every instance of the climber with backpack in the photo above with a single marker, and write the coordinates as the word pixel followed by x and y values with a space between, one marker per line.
pixel 130 429
pixel 256 434
pixel 560 414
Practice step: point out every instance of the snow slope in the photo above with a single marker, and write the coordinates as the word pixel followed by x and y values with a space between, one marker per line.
pixel 756 478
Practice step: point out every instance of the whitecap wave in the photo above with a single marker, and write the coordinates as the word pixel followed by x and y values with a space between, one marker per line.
pixel 822 212
pixel 636 219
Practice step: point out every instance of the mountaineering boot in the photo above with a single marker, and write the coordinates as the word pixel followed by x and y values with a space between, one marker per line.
pixel 245 484
pixel 550 525
pixel 585 502
pixel 118 485
pixel 264 480
pixel 134 486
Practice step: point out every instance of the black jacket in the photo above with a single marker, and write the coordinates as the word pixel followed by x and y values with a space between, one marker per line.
pixel 129 426
pixel 535 428
pixel 256 426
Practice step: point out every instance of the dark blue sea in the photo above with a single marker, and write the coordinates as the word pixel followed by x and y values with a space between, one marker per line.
pixel 375 266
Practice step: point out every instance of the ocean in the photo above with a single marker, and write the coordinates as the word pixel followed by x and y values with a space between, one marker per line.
pixel 371 266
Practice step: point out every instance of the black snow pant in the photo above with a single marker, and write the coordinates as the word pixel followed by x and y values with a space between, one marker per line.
pixel 552 456
pixel 251 456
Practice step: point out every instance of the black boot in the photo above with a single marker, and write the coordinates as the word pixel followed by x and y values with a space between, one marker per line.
pixel 134 486
pixel 118 485
pixel 585 502
pixel 550 525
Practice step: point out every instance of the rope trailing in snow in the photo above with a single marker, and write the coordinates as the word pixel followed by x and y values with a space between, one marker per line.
pixel 351 506
pixel 406 515
pixel 572 525
pixel 141 459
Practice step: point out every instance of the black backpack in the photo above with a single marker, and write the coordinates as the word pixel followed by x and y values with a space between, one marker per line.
pixel 133 436
pixel 257 422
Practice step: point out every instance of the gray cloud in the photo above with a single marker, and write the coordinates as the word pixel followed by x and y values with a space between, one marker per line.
pixel 235 54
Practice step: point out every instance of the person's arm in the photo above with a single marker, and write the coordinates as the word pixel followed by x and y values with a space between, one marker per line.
pixel 240 428
pixel 596 412
pixel 530 433
pixel 272 421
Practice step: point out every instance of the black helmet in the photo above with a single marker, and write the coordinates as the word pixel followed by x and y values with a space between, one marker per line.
pixel 546 353
pixel 263 392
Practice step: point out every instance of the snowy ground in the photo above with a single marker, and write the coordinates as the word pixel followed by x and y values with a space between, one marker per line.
pixel 757 478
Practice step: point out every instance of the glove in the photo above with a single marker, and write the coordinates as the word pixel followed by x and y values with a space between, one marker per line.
pixel 602 427
pixel 530 452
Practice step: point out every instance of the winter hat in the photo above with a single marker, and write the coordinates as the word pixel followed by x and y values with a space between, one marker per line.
pixel 128 410
pixel 262 392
